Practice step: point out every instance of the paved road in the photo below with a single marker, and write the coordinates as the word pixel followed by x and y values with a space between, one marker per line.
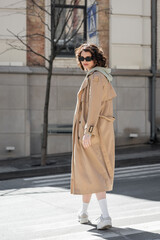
pixel 41 208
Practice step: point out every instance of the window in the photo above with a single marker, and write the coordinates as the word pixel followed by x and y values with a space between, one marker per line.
pixel 68 25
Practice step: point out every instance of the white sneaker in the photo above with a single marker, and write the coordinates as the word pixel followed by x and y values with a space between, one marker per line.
pixel 83 218
pixel 104 223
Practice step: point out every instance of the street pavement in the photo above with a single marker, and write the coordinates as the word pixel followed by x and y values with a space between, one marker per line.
pixel 61 163
pixel 42 208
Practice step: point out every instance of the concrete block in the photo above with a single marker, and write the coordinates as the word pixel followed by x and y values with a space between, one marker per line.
pixel 41 80
pixel 126 29
pixel 12 57
pixel 9 4
pixel 131 121
pixel 54 117
pixel 147 82
pixel 114 81
pixel 146 57
pixel 125 140
pixel 12 121
pixel 69 80
pixel 67 97
pixel 13 21
pixel 157 83
pixel 158 99
pixel 129 82
pixel 59 143
pixel 147 99
pixel 36 118
pixel 127 7
pixel 131 99
pixel 146 32
pixel 62 116
pixel 13 79
pixel 126 56
pixel 115 104
pixel 12 97
pixel 146 10
pixel 10 139
pixel 35 143
pixel 137 7
pixel 37 97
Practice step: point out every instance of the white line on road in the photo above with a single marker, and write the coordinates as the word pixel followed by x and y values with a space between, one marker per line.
pixel 128 174
pixel 132 172
pixel 137 177
pixel 50 176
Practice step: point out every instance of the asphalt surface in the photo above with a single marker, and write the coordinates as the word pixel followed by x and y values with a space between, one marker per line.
pixel 42 208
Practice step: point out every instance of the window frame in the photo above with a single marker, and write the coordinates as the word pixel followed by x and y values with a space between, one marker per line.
pixel 67 6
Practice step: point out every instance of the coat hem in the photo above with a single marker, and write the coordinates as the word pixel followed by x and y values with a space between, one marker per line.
pixel 91 192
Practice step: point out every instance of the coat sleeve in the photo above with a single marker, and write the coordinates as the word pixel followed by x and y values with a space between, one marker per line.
pixel 95 99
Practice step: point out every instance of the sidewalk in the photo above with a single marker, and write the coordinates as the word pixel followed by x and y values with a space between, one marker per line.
pixel 61 163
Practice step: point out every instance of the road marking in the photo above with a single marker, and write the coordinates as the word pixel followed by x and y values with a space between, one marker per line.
pixel 50 176
pixel 132 172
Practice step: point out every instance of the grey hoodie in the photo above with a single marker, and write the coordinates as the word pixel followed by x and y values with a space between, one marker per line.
pixel 105 71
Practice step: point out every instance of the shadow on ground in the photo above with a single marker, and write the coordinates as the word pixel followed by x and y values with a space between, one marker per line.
pixel 123 233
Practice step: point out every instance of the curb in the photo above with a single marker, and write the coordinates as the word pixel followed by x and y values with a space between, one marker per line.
pixel 65 167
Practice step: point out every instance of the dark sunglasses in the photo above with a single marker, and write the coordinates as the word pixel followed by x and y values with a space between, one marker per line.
pixel 88 59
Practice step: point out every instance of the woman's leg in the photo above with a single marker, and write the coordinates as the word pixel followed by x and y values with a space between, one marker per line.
pixel 83 214
pixel 86 198
pixel 101 197
pixel 85 202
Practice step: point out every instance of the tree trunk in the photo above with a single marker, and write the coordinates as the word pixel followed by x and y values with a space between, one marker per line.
pixel 45 118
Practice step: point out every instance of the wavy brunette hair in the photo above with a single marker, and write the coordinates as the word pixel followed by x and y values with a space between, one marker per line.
pixel 96 52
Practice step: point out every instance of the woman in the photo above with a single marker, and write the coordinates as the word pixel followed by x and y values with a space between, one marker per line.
pixel 93 155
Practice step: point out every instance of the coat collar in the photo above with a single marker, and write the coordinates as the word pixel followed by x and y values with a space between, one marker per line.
pixel 84 84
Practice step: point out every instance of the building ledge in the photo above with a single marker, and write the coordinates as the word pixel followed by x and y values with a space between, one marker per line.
pixel 132 72
pixel 73 71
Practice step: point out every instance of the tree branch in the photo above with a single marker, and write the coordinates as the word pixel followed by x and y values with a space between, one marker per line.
pixel 44 22
pixel 6 50
pixel 69 14
pixel 40 7
pixel 58 16
pixel 27 46
pixel 37 34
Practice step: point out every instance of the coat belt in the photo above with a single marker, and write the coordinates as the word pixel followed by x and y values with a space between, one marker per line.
pixel 110 119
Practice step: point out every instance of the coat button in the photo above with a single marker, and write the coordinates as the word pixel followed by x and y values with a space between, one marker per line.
pixel 80 121
pixel 78 137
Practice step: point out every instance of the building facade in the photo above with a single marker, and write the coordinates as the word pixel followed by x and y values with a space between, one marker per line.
pixel 123 28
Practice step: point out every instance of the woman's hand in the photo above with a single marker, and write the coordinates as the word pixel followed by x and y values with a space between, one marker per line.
pixel 86 140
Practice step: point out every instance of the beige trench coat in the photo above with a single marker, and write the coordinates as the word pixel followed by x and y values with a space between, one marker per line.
pixel 93 167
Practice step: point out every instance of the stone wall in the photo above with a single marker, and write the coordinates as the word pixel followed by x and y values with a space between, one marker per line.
pixel 132 109
pixel 130 34
pixel 13 18
pixel 15 114
pixel 22 92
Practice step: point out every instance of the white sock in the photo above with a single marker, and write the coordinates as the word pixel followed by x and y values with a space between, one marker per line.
pixel 103 207
pixel 84 207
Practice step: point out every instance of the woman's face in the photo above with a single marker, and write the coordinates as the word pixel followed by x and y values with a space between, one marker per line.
pixel 87 64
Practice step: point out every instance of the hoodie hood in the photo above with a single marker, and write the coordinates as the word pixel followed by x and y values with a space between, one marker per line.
pixel 105 71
